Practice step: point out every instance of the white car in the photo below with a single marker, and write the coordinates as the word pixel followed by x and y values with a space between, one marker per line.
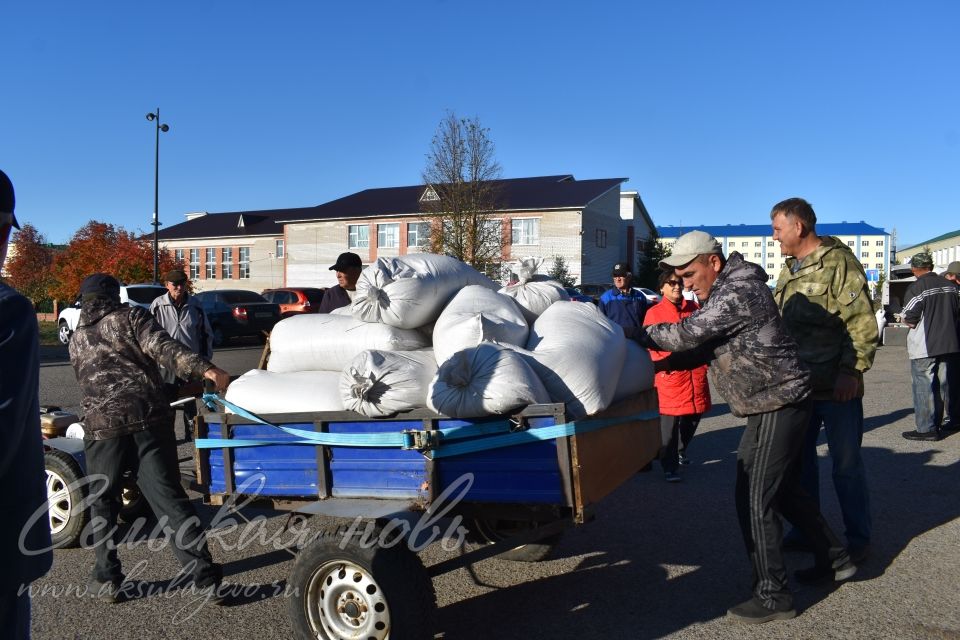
pixel 139 295
pixel 652 296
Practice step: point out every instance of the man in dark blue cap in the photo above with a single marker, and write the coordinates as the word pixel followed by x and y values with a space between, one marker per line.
pixel 348 267
pixel 21 455
pixel 117 352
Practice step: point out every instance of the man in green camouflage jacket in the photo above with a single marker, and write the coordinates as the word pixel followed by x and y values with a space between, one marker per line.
pixel 116 352
pixel 823 295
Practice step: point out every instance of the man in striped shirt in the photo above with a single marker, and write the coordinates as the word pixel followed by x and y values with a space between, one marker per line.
pixel 933 344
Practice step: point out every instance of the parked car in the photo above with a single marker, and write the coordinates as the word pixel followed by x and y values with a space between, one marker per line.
pixel 577 295
pixel 138 295
pixel 236 312
pixel 294 300
pixel 652 296
pixel 593 290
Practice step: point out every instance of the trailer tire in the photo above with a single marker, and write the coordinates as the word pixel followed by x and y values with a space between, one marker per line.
pixel 490 530
pixel 65 497
pixel 346 588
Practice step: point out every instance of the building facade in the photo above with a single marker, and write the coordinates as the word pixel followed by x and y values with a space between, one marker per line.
pixel 944 249
pixel 755 242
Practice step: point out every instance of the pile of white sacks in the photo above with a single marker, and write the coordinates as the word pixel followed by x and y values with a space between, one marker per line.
pixel 430 331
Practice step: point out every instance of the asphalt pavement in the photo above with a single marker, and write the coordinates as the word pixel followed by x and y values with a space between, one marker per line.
pixel 659 561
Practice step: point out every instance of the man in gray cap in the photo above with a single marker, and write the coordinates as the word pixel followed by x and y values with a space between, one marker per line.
pixel 755 365
pixel 931 309
pixel 348 267
pixel 21 455
pixel 184 319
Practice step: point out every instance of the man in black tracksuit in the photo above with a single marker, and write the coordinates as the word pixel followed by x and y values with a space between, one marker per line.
pixel 755 365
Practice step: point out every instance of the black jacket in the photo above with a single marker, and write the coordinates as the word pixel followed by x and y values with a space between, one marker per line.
pixel 334 298
pixel 931 305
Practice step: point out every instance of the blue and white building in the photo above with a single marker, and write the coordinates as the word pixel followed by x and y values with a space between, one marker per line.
pixel 755 242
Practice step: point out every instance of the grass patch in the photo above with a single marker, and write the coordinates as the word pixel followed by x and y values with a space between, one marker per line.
pixel 48 334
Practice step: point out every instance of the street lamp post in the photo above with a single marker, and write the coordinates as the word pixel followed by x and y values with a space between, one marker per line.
pixel 156 193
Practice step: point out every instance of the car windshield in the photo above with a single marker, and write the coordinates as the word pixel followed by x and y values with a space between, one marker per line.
pixel 234 297
pixel 144 295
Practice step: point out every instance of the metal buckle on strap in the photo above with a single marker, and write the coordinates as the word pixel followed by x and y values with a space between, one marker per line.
pixel 517 424
pixel 419 440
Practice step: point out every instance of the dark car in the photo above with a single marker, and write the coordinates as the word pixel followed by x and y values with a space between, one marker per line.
pixel 294 300
pixel 593 290
pixel 235 312
pixel 577 295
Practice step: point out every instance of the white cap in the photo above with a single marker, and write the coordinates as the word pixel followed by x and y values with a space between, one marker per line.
pixel 689 246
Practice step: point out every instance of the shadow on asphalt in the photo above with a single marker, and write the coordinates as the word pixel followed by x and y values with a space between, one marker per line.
pixel 672 555
pixel 875 422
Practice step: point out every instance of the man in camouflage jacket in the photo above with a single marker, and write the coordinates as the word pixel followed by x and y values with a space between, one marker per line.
pixel 823 295
pixel 754 364
pixel 116 352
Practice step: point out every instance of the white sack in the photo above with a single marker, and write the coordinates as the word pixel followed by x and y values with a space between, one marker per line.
pixel 637 373
pixel 411 291
pixel 381 383
pixel 578 354
pixel 477 314
pixel 325 342
pixel 264 392
pixel 486 380
pixel 534 293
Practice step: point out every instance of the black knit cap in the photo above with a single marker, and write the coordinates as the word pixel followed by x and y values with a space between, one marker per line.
pixel 7 198
pixel 100 285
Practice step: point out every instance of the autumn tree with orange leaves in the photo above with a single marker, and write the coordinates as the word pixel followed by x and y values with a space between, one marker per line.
pixel 104 248
pixel 28 270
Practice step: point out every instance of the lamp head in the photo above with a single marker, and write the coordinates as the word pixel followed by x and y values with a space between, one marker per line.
pixel 151 116
pixel 164 128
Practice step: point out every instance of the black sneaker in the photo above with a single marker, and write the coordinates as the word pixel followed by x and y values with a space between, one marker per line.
pixel 926 436
pixel 684 460
pixel 840 570
pixel 109 592
pixel 753 612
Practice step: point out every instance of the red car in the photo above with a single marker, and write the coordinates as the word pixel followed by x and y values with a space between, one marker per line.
pixel 294 300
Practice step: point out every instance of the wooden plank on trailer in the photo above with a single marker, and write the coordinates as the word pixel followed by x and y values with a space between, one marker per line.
pixel 602 460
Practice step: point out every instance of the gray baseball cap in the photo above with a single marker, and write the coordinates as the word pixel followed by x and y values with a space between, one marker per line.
pixel 689 246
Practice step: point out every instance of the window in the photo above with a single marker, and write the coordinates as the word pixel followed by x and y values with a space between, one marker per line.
pixel 879 266
pixel 770 277
pixel 244 262
pixel 279 252
pixel 864 254
pixel 865 266
pixel 194 264
pixel 527 231
pixel 388 235
pixel 879 254
pixel 226 263
pixel 757 244
pixel 879 243
pixel 758 255
pixel 211 263
pixel 849 243
pixel 769 243
pixel 769 265
pixel 358 236
pixel 178 256
pixel 418 234
pixel 601 238
pixel 864 243
pixel 744 243
pixel 770 254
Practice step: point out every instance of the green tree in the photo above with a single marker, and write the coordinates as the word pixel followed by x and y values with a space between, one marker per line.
pixel 560 272
pixel 648 270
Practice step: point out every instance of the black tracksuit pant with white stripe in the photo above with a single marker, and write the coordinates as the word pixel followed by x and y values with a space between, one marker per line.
pixel 768 487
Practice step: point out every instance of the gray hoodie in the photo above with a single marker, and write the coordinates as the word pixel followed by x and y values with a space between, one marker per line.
pixel 754 363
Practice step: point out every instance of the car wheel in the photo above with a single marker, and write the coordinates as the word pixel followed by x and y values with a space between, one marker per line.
pixel 63 332
pixel 65 497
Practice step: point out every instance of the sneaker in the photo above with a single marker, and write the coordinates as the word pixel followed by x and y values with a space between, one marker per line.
pixel 672 476
pixel 109 592
pixel 927 436
pixel 951 427
pixel 841 569
pixel 684 460
pixel 753 612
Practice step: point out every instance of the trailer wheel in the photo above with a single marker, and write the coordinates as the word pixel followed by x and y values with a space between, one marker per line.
pixel 345 587
pixel 490 530
pixel 65 496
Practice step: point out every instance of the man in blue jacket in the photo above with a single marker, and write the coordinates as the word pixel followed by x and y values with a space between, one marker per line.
pixel 21 456
pixel 623 304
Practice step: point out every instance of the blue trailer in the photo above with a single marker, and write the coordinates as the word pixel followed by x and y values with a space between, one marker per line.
pixel 515 482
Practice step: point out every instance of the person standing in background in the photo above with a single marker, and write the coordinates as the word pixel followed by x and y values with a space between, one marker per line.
pixel 683 395
pixel 623 304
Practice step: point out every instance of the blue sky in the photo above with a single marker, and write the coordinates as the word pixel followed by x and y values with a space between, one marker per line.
pixel 713 110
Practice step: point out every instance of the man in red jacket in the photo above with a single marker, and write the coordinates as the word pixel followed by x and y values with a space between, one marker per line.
pixel 684 395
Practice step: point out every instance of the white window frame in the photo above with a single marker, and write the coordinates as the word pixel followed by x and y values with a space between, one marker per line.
pixel 195 263
pixel 279 248
pixel 226 263
pixel 864 243
pixel 879 243
pixel 358 236
pixel 244 263
pixel 178 256
pixel 414 233
pixel 521 235
pixel 210 263
pixel 388 235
